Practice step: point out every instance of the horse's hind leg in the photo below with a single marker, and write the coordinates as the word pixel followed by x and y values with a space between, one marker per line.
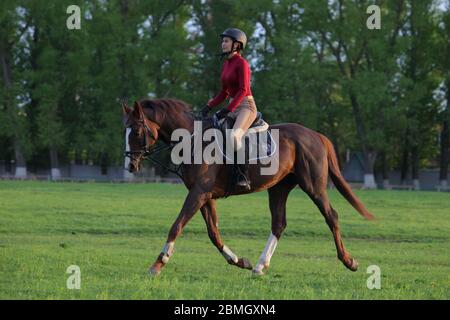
pixel 331 218
pixel 212 223
pixel 278 195
pixel 315 185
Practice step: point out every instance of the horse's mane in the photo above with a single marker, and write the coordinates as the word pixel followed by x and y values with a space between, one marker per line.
pixel 165 104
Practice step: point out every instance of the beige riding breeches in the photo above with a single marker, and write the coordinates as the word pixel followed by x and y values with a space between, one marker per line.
pixel 245 114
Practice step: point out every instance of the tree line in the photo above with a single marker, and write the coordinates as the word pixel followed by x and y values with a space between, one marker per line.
pixel 384 92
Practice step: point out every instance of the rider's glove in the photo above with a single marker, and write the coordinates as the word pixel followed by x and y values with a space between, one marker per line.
pixel 222 113
pixel 205 111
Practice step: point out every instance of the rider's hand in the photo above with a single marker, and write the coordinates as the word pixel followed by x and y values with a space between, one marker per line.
pixel 205 111
pixel 222 113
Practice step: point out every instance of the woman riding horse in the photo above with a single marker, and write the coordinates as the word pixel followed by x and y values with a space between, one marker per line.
pixel 235 83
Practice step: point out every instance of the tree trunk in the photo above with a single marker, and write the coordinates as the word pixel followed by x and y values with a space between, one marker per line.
pixel 369 176
pixel 21 167
pixel 104 163
pixel 405 157
pixel 415 166
pixel 5 60
pixel 412 113
pixel 384 170
pixel 124 77
pixel 54 163
pixel 368 154
pixel 443 170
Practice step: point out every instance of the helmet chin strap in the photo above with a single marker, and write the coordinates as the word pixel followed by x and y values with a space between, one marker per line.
pixel 223 54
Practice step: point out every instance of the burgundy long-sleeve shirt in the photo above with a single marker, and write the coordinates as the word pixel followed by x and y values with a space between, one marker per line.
pixel 235 82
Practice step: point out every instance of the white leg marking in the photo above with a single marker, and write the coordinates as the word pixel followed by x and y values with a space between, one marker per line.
pixel 167 251
pixel 264 259
pixel 229 255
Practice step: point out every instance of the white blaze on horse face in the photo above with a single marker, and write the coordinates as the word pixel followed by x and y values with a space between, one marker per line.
pixel 127 147
pixel 167 251
pixel 127 134
pixel 229 255
pixel 264 259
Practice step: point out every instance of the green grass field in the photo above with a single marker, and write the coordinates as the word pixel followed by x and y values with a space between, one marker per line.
pixel 114 231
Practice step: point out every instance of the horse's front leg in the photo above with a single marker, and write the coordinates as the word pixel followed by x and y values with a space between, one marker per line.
pixel 194 201
pixel 212 223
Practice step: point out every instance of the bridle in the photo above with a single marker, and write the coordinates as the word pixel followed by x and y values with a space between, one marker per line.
pixel 147 151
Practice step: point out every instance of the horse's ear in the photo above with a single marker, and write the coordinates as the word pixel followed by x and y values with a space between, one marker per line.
pixel 126 114
pixel 126 109
pixel 138 111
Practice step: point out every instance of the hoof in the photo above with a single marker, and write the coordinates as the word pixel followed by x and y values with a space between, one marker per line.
pixel 257 273
pixel 353 265
pixel 154 271
pixel 244 263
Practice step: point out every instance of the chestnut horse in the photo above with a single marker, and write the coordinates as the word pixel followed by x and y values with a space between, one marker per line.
pixel 306 159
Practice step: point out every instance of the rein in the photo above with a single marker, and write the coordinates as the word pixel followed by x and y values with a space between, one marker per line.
pixel 147 154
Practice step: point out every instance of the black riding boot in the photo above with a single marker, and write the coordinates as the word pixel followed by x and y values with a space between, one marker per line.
pixel 243 181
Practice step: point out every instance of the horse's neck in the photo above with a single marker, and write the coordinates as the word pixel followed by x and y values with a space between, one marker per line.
pixel 173 123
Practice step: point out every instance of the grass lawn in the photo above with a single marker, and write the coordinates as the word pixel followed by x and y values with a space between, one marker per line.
pixel 113 232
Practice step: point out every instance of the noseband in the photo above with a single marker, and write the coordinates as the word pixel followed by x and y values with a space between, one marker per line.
pixel 145 150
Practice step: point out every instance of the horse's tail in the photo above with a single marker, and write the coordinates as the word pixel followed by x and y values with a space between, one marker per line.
pixel 339 181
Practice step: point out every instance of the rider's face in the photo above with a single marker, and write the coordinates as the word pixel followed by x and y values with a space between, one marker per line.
pixel 226 44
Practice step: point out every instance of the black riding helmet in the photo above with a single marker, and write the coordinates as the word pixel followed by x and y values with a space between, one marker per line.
pixel 236 35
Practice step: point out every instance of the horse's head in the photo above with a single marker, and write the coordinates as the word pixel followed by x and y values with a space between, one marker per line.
pixel 142 134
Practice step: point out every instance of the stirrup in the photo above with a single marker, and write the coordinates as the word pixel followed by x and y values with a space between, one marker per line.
pixel 243 182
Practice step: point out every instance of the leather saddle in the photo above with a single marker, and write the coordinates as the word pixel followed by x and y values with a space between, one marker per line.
pixel 258 125
pixel 227 123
